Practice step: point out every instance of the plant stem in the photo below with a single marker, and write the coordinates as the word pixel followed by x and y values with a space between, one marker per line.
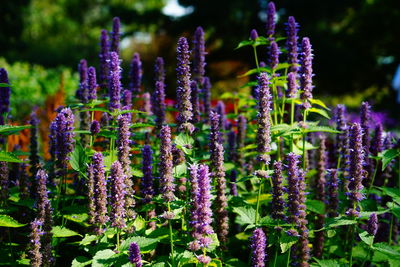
pixel 391 229
pixel 118 232
pixel 351 246
pixel 304 141
pixel 373 178
pixel 258 202
pixel 171 238
pixel 256 57
pixel 288 258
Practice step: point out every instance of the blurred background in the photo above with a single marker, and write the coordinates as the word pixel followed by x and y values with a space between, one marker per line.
pixel 356 43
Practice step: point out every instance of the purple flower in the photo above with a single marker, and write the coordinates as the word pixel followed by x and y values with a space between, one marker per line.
pixel 165 168
pixel 278 203
pixel 320 181
pixel 104 55
pixel 263 118
pixel 306 72
pixel 201 213
pixel 377 141
pixel 5 93
pixel 92 84
pixel 136 73
pixel 357 173
pixel 253 35
pixel 115 35
pixel 114 81
pixel 220 109
pixel 292 85
pixel 233 186
pixel 82 92
pixel 34 253
pixel 127 99
pixel 258 246
pixel 195 102
pixel 147 168
pixel 183 90
pixel 90 194
pixel 332 193
pixel 159 70
pixel 293 189
pixel 304 249
pixel 159 103
pixel 271 13
pixel 33 147
pixel 117 185
pixel 198 56
pixel 366 139
pixel 100 189
pixel 23 182
pixel 232 153
pixel 4 180
pixel 63 129
pixel 207 97
pixel 372 224
pixel 134 255
pixel 291 43
pixel 42 194
pixel 48 235
pixel 273 56
pixel 94 127
pixel 341 125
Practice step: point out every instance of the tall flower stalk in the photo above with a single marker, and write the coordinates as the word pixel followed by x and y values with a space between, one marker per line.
pixel 136 73
pixel 264 120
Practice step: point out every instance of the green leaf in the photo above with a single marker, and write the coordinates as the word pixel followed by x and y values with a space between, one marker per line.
pixel 316 128
pixel 141 125
pixel 59 231
pixel 316 206
pixel 180 170
pixel 394 193
pixel 5 85
pixel 214 244
pixel 81 261
pixel 101 257
pixel 327 263
pixel 145 244
pixel 78 159
pixel 321 112
pixel 229 166
pixel 255 71
pixel 136 172
pixel 335 222
pixel 366 238
pixel 388 156
pixel 287 241
pixel 88 239
pixel 244 43
pixel 386 249
pixel 246 215
pixel 9 157
pixel 12 129
pixel 319 103
pixel 7 221
pixel 139 223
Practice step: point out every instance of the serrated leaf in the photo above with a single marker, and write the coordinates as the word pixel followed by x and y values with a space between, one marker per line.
pixel 366 238
pixel 246 215
pixel 8 221
pixel 9 157
pixel 88 239
pixel 388 156
pixel 327 263
pixel 319 111
pixel 136 172
pixel 139 223
pixel 78 159
pixel 319 103
pixel 229 166
pixel 316 128
pixel 335 222
pixel 145 244
pixel 386 249
pixel 59 231
pixel 180 170
pixel 101 257
pixel 81 261
pixel 316 206
pixel 286 242
pixel 214 244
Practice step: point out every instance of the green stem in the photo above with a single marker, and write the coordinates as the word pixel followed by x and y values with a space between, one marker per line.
pixel 276 250
pixel 391 230
pixel 288 258
pixel 351 246
pixel 373 178
pixel 256 57
pixel 118 242
pixel 258 202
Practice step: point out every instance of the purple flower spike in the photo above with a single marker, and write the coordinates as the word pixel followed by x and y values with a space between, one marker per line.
pixel 134 255
pixel 115 35
pixel 220 109
pixel 233 180
pixel 147 180
pixel 35 255
pixel 159 70
pixel 82 93
pixel 341 125
pixel 195 102
pixel 377 142
pixel 114 80
pixel 273 56
pixel 5 93
pixel 271 13
pixel 333 193
pixel 34 156
pixel 92 83
pixel 159 103
pixel 42 195
pixel 127 99
pixel 306 72
pixel 253 35
pixel 291 43
pixel 207 97
pixel 263 118
pixel 94 127
pixel 90 194
pixel 278 202
pixel 373 224
pixel 166 164
pixel 117 178
pixel 104 55
pixel 258 246
pixel 292 85
pixel 198 56
pixel 293 189
pixel 100 189
pixel 183 90
pixel 136 74
pixel 201 213
pixel 4 180
pixel 357 173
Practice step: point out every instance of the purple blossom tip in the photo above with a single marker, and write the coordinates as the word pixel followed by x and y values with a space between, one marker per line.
pixel 253 35
pixel 258 246
pixel 134 254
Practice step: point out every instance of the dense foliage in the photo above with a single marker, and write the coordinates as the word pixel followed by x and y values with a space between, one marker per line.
pixel 127 179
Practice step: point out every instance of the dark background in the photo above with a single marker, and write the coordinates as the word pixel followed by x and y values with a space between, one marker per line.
pixel 356 42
